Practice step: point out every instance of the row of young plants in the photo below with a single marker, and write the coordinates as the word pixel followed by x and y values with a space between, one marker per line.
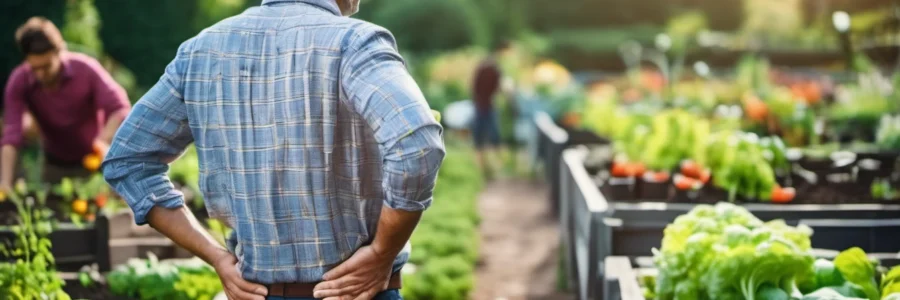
pixel 28 269
pixel 446 242
pixel 783 129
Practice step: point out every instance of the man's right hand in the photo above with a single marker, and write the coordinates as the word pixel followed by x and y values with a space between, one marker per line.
pixel 236 288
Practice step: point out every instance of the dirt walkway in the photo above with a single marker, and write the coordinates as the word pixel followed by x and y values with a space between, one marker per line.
pixel 519 243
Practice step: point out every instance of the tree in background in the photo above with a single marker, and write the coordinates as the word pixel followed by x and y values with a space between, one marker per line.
pixel 82 34
pixel 429 26
pixel 212 11
pixel 82 27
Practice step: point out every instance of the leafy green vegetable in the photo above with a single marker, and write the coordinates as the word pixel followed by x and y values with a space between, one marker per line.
pixel 675 135
pixel 856 267
pixel 890 283
pixel 740 166
pixel 827 294
pixel 177 279
pixel 849 289
pixel 824 275
pixel 888 134
pixel 724 252
pixel 772 292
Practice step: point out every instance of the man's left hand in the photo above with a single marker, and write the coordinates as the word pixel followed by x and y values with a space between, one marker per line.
pixel 365 274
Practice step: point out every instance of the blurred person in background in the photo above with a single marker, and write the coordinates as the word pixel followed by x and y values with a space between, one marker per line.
pixel 67 97
pixel 315 145
pixel 486 85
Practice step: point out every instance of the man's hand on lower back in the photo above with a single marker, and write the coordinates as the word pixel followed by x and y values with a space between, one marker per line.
pixel 362 276
pixel 236 288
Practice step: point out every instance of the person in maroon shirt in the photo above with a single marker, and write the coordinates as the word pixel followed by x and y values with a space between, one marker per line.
pixel 485 86
pixel 74 102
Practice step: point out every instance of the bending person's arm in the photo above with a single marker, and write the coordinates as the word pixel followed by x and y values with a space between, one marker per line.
pixel 13 133
pixel 112 100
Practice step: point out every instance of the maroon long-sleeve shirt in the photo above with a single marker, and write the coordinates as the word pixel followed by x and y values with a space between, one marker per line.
pixel 70 116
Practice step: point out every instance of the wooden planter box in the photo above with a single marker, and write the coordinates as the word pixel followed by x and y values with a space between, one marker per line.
pixel 76 246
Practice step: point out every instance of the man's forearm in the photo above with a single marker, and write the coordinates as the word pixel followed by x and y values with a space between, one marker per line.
pixel 180 225
pixel 8 159
pixel 394 229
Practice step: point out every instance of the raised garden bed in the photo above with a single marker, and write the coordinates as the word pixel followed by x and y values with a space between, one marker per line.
pixel 625 276
pixel 75 246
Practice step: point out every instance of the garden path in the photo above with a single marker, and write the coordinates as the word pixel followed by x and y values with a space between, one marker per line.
pixel 519 243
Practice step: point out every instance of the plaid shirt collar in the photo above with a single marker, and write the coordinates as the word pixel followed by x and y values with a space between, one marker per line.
pixel 329 5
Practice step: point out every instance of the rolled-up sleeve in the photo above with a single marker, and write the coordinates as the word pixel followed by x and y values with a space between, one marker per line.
pixel 154 134
pixel 379 87
pixel 14 109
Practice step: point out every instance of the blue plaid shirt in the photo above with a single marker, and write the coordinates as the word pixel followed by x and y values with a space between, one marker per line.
pixel 305 122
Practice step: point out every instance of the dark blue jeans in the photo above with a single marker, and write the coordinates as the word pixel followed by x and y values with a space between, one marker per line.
pixel 486 129
pixel 386 295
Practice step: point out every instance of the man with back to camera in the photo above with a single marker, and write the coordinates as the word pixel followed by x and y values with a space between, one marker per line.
pixel 74 102
pixel 310 134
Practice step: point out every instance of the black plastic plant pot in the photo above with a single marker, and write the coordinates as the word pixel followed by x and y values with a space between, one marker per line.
pixel 621 188
pixel 712 194
pixel 651 187
pixel 884 162
pixel 815 164
pixel 585 137
pixel 686 196
pixel 865 174
pixel 655 191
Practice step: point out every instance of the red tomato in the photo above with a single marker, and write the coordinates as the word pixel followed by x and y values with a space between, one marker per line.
pixel 684 183
pixel 690 168
pixel 783 195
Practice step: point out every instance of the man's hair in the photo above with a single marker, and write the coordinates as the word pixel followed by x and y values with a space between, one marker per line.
pixel 38 36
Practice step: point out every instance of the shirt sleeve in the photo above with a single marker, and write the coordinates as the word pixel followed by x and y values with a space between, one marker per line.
pixel 378 86
pixel 154 134
pixel 14 110
pixel 110 97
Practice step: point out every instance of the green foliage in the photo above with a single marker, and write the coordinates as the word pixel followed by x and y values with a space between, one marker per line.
pixel 212 11
pixel 683 30
pixel 890 284
pixel 82 27
pixel 850 276
pixel 888 134
pixel 144 35
pixel 724 252
pixel 460 23
pixel 445 244
pixel 32 276
pixel 674 136
pixel 740 165
pixel 153 279
pixel 827 294
pixel 604 40
pixel 862 105
pixel 856 267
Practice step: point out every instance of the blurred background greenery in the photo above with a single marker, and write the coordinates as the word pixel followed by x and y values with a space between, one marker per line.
pixel 444 39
